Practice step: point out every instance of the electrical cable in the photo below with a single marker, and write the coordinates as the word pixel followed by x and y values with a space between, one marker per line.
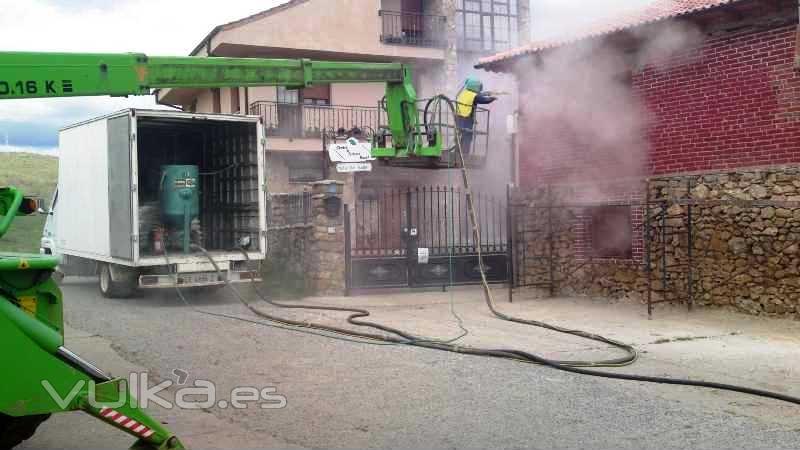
pixel 404 338
pixel 218 171
pixel 517 355
pixel 572 369
pixel 631 354
pixel 297 327
pixel 450 259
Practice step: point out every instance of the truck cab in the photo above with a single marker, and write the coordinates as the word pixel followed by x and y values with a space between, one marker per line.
pixel 47 244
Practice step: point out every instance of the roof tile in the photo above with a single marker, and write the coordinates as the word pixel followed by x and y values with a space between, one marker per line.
pixel 654 12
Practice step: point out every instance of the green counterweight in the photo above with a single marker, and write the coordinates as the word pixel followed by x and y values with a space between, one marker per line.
pixel 180 200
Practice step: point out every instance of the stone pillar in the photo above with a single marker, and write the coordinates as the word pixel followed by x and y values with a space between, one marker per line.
pixel 325 270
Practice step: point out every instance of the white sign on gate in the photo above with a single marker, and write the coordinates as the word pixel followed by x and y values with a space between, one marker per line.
pixel 350 151
pixel 423 255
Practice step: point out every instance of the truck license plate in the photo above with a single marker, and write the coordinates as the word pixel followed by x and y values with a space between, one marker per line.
pixel 198 278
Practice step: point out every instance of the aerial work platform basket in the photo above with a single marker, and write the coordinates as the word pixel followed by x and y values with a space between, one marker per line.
pixel 435 141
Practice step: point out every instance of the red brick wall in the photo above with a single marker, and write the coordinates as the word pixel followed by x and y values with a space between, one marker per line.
pixel 581 198
pixel 735 103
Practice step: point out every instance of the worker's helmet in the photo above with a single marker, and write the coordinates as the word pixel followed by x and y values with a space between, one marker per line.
pixel 473 84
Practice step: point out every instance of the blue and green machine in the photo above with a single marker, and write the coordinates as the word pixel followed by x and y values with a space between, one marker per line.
pixel 37 367
pixel 180 201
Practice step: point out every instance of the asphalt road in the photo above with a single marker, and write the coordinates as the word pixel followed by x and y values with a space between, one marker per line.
pixel 353 395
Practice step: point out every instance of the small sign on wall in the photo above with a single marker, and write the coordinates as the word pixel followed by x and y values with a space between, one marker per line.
pixel 354 167
pixel 423 254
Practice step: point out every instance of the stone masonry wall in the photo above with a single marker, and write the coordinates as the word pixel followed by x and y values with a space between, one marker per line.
pixel 326 258
pixel 746 233
pixel 745 252
pixel 306 244
pixel 552 233
pixel 288 249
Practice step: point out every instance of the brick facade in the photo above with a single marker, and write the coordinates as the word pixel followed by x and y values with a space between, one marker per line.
pixel 721 115
pixel 733 101
pixel 736 104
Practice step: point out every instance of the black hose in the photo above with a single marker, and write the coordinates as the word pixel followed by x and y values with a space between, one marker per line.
pixel 572 369
pixel 404 338
pixel 518 355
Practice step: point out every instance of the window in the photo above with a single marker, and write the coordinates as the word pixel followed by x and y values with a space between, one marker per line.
pixel 305 168
pixel 486 25
pixel 611 232
pixel 314 95
pixel 216 101
pixel 288 95
pixel 235 106
pixel 412 6
pixel 319 95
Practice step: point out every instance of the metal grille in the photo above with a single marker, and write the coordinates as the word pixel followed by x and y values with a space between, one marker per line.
pixel 409 28
pixel 289 209
pixel 388 229
pixel 230 197
pixel 312 121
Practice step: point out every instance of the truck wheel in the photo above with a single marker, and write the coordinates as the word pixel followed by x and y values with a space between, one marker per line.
pixel 14 430
pixel 114 289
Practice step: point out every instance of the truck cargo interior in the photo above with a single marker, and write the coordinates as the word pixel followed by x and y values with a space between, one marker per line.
pixel 226 155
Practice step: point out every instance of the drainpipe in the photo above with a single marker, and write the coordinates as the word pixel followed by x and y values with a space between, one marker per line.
pixel 797 42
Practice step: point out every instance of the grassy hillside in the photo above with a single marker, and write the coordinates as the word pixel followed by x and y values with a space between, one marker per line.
pixel 36 175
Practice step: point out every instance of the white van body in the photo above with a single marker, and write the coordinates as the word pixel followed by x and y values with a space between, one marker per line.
pixel 109 171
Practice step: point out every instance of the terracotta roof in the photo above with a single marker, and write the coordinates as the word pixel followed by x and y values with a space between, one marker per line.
pixel 656 11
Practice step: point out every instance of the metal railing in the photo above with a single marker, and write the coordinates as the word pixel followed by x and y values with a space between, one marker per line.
pixel 408 28
pixel 288 209
pixel 294 120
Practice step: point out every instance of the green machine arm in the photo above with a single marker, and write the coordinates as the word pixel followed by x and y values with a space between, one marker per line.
pixel 31 323
pixel 38 75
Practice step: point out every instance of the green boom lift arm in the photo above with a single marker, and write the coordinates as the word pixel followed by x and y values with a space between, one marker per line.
pixel 38 75
pixel 31 323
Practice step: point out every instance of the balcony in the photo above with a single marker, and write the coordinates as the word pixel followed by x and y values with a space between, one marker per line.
pixel 414 29
pixel 297 121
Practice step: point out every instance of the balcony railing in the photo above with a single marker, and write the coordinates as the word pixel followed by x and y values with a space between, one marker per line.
pixel 407 28
pixel 292 120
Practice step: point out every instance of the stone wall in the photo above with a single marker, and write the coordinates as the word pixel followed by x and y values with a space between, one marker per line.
pixel 306 257
pixel 325 270
pixel 287 253
pixel 284 209
pixel 744 234
pixel 552 248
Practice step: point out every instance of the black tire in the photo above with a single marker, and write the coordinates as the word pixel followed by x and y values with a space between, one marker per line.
pixel 113 289
pixel 15 430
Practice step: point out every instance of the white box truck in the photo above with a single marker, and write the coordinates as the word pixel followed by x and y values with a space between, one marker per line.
pixel 108 207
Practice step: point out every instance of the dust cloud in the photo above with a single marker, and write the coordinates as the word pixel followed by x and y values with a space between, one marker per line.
pixel 584 121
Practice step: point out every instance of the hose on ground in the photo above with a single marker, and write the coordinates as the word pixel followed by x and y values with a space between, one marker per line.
pixel 401 337
pixel 572 369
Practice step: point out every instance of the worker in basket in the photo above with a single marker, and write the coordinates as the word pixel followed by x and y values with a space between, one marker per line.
pixel 470 95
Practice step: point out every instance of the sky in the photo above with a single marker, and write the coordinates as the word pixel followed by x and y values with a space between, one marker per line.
pixel 164 27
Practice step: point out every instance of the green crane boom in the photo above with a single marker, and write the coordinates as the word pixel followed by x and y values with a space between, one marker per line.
pixel 31 324
pixel 39 75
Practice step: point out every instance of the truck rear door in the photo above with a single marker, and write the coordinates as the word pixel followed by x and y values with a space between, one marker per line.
pixel 119 187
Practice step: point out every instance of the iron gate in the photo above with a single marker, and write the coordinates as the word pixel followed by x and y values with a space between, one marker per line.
pixel 422 236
